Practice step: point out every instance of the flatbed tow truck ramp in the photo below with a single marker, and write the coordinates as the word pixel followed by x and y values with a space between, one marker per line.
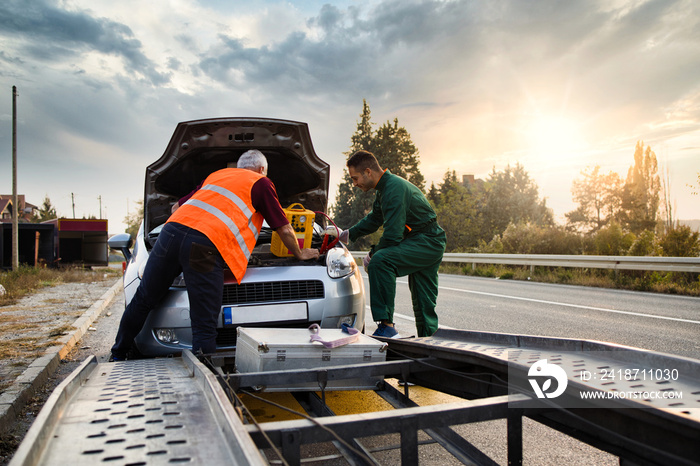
pixel 642 406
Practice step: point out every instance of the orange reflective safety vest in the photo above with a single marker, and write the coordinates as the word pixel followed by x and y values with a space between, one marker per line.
pixel 222 209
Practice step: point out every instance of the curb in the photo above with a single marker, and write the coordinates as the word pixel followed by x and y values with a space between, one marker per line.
pixel 16 396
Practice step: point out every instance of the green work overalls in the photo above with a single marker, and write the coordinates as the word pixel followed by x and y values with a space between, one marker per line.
pixel 412 244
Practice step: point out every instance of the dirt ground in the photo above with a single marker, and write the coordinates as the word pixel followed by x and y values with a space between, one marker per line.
pixel 28 327
pixel 37 321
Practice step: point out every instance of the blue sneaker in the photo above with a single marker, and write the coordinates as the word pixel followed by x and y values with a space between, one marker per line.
pixel 385 331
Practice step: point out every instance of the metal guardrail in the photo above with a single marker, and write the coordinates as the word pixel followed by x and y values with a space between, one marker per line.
pixel 661 264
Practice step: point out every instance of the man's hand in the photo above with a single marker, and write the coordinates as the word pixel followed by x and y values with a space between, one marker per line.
pixel 366 260
pixel 344 236
pixel 289 238
pixel 308 254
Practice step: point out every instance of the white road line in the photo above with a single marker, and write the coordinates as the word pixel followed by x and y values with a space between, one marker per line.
pixel 614 311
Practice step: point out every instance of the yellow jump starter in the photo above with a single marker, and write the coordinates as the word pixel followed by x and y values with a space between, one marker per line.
pixel 302 222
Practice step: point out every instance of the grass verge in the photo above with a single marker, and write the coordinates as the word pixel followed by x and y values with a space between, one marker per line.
pixel 23 281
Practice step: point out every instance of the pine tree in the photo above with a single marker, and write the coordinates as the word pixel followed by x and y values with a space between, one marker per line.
pixel 46 212
pixel 392 146
pixel 351 204
pixel 395 150
pixel 433 195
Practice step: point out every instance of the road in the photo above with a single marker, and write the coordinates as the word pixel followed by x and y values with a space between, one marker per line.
pixel 658 322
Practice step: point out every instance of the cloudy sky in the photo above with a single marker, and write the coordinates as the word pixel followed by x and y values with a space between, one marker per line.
pixel 557 86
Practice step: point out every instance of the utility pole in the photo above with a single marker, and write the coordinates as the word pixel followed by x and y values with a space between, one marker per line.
pixel 15 203
pixel 99 198
pixel 72 200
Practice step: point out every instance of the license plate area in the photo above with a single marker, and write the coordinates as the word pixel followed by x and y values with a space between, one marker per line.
pixel 263 313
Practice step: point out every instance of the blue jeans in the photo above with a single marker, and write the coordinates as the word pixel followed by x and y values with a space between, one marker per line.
pixel 179 249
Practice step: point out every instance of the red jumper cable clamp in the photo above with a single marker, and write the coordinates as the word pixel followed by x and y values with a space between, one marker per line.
pixel 327 243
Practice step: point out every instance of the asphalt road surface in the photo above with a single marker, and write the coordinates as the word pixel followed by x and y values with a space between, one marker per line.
pixel 657 322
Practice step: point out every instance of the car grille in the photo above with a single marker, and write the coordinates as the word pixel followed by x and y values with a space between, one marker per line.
pixel 272 291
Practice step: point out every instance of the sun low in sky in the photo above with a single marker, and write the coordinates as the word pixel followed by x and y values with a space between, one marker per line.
pixel 555 86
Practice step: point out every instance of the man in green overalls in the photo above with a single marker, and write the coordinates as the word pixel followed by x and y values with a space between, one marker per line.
pixel 412 244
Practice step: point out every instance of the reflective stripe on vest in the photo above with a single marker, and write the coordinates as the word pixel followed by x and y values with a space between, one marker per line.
pixel 221 216
pixel 222 209
pixel 226 221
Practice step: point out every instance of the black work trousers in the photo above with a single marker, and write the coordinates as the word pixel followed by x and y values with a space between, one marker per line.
pixel 179 249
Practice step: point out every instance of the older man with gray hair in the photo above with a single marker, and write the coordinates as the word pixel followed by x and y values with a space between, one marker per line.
pixel 215 226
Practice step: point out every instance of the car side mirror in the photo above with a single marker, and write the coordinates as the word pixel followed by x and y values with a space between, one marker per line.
pixel 122 242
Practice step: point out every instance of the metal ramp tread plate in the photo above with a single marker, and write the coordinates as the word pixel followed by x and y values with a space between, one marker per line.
pixel 579 357
pixel 157 411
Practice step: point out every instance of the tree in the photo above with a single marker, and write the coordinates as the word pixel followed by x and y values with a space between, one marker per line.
pixel 511 196
pixel 588 194
pixel 433 195
pixel 457 214
pixel 351 204
pixel 612 195
pixel 392 146
pixel 133 219
pixel 668 221
pixel 598 199
pixel 394 150
pixel 46 212
pixel 640 195
pixel 449 185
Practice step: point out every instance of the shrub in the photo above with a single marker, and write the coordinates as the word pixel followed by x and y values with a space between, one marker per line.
pixel 529 238
pixel 681 242
pixel 644 245
pixel 495 246
pixel 612 241
pixel 565 275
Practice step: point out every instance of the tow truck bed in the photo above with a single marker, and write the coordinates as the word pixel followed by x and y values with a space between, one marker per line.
pixel 145 411
pixel 138 412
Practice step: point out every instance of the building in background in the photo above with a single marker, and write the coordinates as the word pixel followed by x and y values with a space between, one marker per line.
pixel 25 211
pixel 53 243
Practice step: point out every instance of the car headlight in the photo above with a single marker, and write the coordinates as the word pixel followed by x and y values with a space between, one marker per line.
pixel 349 320
pixel 340 263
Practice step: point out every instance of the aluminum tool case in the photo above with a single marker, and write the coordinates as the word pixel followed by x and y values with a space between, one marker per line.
pixel 281 349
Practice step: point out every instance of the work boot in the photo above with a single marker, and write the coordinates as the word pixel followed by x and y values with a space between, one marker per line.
pixel 385 331
pixel 134 353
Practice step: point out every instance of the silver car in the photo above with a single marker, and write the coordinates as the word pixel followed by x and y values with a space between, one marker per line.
pixel 276 291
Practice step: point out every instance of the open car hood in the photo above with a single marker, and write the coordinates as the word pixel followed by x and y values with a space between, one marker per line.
pixel 200 147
